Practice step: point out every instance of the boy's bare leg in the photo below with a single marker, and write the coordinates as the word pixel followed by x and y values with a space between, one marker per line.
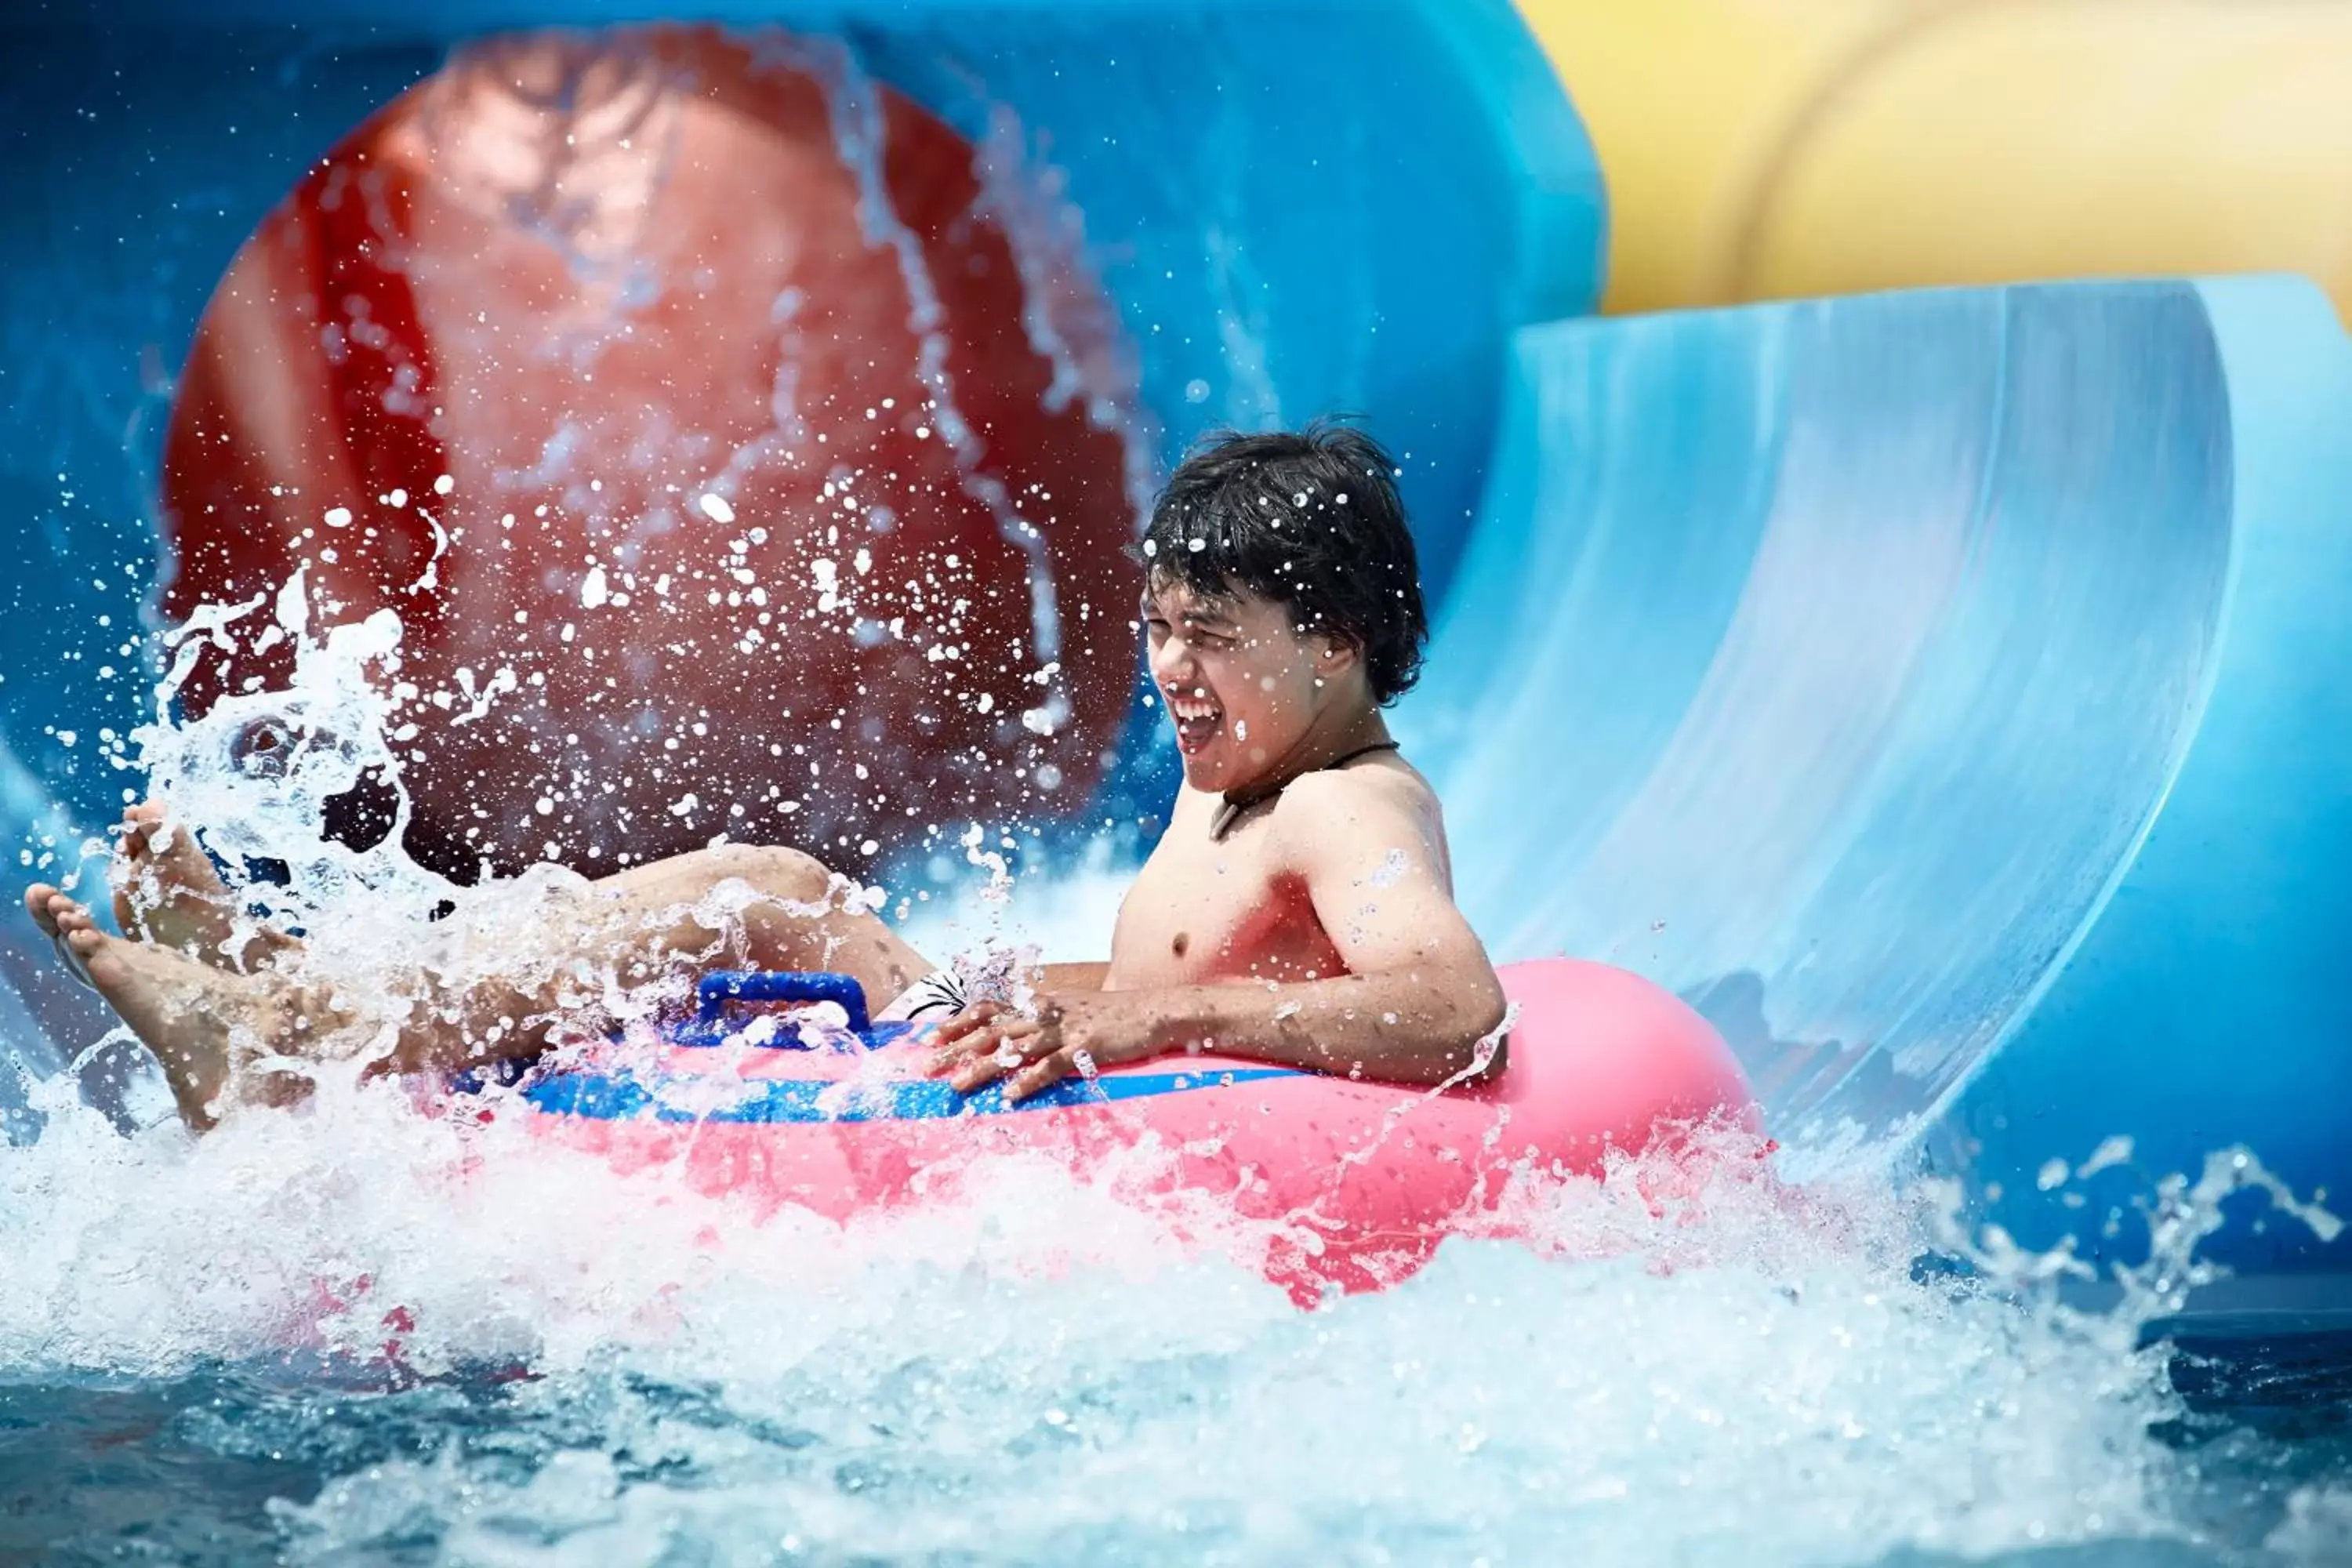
pixel 167 890
pixel 796 922
pixel 652 923
pixel 638 927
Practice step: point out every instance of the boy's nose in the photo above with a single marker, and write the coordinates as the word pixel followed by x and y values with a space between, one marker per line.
pixel 1172 661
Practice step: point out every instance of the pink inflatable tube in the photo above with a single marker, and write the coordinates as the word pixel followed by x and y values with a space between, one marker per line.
pixel 1368 1177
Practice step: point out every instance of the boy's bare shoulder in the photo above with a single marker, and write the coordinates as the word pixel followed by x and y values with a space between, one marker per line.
pixel 1384 777
pixel 1343 802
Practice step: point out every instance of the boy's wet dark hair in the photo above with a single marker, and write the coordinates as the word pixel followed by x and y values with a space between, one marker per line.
pixel 1310 519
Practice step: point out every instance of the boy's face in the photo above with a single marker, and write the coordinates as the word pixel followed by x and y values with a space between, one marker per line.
pixel 1241 683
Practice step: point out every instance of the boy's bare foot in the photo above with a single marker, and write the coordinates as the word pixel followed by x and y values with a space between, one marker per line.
pixel 167 891
pixel 36 904
pixel 199 1022
pixel 38 898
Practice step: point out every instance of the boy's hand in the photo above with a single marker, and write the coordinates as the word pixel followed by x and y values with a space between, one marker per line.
pixel 1071 1033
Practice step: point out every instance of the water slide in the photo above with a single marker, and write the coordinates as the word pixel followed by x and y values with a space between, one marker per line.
pixel 1906 677
pixel 1761 151
pixel 1937 689
pixel 1131 162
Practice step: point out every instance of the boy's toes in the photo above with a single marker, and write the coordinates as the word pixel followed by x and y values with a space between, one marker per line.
pixel 71 917
pixel 86 938
pixel 36 904
pixel 131 837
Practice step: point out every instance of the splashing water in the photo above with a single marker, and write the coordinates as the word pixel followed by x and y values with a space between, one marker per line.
pixel 355 1330
pixel 259 769
pixel 1036 1372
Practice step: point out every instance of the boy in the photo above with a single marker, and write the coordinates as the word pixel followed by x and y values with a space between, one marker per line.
pixel 1297 911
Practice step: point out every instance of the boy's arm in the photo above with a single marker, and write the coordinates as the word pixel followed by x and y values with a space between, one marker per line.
pixel 1057 977
pixel 1419 994
pixel 1418 1000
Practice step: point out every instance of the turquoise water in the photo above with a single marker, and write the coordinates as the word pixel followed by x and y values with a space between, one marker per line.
pixel 227 1468
pixel 356 1334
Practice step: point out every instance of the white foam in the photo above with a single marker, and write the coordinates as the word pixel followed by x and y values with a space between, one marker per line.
pixel 1028 1367
pixel 1030 1370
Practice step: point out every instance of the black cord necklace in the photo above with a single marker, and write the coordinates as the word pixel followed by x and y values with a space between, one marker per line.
pixel 1239 800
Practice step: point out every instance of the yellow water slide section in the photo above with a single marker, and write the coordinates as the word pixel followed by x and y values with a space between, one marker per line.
pixel 1776 149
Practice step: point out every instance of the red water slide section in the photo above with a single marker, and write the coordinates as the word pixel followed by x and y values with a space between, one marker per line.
pixel 734 463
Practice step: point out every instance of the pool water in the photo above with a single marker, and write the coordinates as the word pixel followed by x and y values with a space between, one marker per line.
pixel 367 1331
pixel 357 1334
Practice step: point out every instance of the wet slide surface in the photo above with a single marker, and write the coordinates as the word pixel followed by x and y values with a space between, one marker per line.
pixel 1039 211
pixel 1833 662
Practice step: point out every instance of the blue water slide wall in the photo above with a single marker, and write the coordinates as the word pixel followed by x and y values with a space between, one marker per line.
pixel 2209 1002
pixel 1279 239
pixel 1899 676
pixel 1297 207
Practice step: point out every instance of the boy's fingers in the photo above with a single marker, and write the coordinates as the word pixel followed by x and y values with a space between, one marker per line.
pixel 989 1055
pixel 1041 1074
pixel 976 1072
pixel 984 1042
pixel 976 1039
pixel 956 1026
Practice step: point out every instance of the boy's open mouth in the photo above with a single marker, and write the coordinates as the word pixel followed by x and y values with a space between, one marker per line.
pixel 1198 718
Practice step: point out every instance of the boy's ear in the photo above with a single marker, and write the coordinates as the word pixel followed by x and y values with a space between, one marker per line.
pixel 1338 653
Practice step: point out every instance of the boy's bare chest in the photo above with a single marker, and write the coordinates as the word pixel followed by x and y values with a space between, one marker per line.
pixel 1203 912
